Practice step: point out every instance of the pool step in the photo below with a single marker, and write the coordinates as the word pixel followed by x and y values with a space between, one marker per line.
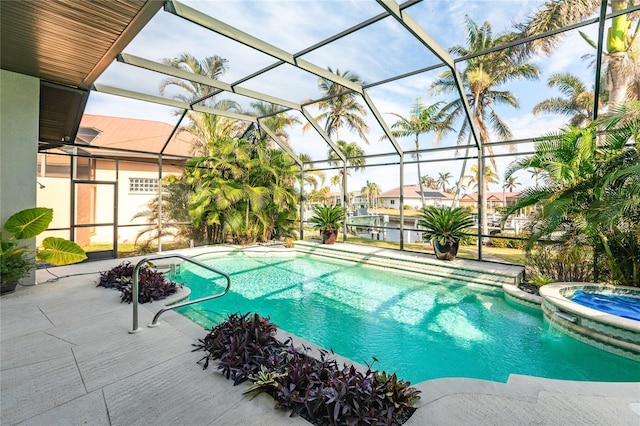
pixel 486 273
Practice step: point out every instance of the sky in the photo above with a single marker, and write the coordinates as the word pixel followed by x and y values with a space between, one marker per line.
pixel 380 51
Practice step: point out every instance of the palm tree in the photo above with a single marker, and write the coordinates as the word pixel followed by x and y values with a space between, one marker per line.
pixel 459 187
pixel 207 128
pixel 241 187
pixel 211 66
pixel 371 190
pixel 341 110
pixel 510 183
pixel 274 121
pixel 482 77
pixel 335 181
pixel 422 119
pixel 364 192
pixel 592 192
pixel 314 178
pixel 489 176
pixel 320 195
pixel 175 213
pixel 374 192
pixel 443 180
pixel 578 101
pixel 429 182
pixel 535 174
pixel 355 160
pixel 621 55
pixel 247 194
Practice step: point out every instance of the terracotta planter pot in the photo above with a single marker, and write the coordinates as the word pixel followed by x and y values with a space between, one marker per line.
pixel 329 236
pixel 447 251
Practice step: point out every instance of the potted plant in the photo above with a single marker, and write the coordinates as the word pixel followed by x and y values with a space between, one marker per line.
pixel 444 227
pixel 17 261
pixel 328 219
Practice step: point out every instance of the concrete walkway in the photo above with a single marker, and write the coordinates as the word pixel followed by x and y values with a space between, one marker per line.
pixel 67 359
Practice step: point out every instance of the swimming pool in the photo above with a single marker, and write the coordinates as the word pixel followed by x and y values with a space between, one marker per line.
pixel 421 328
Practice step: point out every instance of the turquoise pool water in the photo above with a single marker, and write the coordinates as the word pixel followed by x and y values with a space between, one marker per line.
pixel 420 328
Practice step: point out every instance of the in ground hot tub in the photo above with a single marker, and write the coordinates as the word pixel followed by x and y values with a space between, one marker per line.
pixel 607 317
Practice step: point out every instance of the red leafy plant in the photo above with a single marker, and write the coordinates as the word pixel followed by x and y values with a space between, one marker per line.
pixel 317 389
pixel 152 285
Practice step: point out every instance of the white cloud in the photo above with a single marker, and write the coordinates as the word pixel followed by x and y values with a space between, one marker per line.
pixel 382 50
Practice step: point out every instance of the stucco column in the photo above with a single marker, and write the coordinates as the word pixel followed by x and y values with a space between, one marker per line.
pixel 19 123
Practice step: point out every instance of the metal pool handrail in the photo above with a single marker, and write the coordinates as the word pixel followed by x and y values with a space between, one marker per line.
pixel 134 290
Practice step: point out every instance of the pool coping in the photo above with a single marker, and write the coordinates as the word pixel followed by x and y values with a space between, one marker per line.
pixel 101 327
pixel 514 294
pixel 489 273
pixel 552 292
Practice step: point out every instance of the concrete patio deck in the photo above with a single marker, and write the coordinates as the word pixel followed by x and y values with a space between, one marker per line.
pixel 67 359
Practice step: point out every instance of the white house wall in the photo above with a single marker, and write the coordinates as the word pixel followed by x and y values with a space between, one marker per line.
pixel 19 102
pixel 414 203
pixel 56 195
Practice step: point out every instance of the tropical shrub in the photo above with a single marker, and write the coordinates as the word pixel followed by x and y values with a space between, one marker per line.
pixel 469 240
pixel 591 192
pixel 318 389
pixel 174 216
pixel 445 224
pixel 496 241
pixel 16 260
pixel 540 280
pixel 152 285
pixel 328 217
pixel 564 264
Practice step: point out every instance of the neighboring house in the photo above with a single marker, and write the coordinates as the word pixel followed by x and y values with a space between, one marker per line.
pixel 110 167
pixel 432 197
pixel 494 199
pixel 333 197
pixel 356 198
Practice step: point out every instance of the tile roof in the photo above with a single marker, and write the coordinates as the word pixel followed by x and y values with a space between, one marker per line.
pixel 136 134
pixel 494 196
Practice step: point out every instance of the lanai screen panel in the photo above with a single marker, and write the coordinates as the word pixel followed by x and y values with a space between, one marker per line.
pixel 380 50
